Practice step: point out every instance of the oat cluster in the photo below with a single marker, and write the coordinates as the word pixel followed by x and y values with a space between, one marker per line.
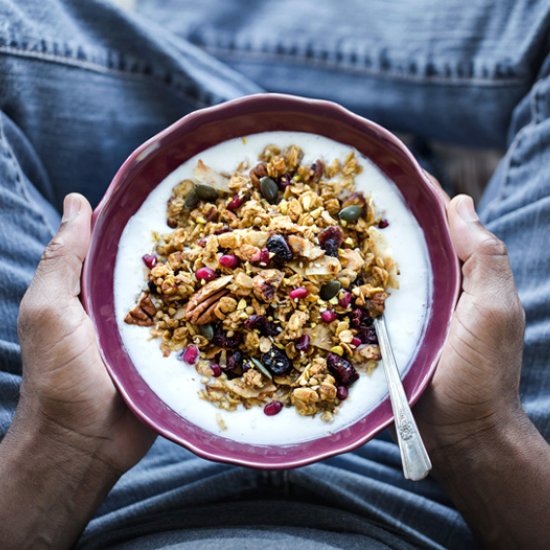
pixel 269 282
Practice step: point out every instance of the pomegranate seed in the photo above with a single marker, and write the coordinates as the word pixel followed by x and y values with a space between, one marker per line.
pixel 342 393
pixel 150 260
pixel 345 300
pixel 328 316
pixel 229 260
pixel 356 341
pixel 236 202
pixel 205 274
pixel 273 408
pixel 261 257
pixel 302 344
pixel 298 293
pixel 383 223
pixel 190 355
pixel 216 370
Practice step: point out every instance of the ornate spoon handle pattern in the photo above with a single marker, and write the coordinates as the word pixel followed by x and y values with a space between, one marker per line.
pixel 416 462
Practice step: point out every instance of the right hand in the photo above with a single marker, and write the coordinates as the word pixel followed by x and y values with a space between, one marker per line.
pixel 66 391
pixel 476 385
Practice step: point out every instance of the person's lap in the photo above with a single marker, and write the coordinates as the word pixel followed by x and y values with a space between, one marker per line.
pixel 78 116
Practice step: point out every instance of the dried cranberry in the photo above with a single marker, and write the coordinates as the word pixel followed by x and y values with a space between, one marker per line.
pixel 342 393
pixel 330 240
pixel 254 321
pixel 302 344
pixel 261 257
pixel 262 324
pixel 236 202
pixel 229 261
pixel 150 260
pixel 277 245
pixel 342 369
pixel 383 223
pixel 328 316
pixel 221 340
pixel 273 408
pixel 205 274
pixel 276 361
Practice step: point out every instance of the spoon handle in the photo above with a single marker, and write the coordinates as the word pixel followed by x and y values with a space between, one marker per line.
pixel 415 459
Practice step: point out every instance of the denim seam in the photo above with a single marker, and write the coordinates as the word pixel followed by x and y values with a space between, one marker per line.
pixel 19 176
pixel 204 101
pixel 535 105
pixel 341 65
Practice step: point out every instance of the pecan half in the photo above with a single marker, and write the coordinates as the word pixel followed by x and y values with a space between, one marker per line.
pixel 201 306
pixel 144 312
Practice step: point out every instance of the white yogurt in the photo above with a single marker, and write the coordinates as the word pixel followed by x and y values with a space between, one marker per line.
pixel 178 384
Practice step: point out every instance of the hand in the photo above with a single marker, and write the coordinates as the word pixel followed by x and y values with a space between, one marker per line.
pixel 475 388
pixel 66 389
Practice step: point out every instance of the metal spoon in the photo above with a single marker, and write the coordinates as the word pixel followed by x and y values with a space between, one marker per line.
pixel 415 459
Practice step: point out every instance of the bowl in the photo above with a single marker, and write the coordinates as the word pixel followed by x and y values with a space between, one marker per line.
pixel 155 159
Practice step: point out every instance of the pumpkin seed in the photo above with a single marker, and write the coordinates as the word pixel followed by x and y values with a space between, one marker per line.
pixel 330 290
pixel 207 331
pixel 206 193
pixel 192 199
pixel 269 189
pixel 259 365
pixel 351 213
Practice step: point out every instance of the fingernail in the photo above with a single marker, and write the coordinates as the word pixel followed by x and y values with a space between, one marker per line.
pixel 71 207
pixel 466 210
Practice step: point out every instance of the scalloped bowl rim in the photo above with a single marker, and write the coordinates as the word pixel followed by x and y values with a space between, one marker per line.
pixel 284 101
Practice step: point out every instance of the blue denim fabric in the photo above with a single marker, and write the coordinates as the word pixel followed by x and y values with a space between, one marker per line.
pixel 83 83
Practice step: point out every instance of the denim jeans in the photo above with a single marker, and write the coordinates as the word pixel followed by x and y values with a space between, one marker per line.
pixel 83 83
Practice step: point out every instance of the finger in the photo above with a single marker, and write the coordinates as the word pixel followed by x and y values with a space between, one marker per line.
pixel 58 273
pixel 486 266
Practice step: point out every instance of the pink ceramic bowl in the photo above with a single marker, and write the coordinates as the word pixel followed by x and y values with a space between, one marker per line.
pixel 163 153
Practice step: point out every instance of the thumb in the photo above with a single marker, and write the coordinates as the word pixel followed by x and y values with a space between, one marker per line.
pixel 486 268
pixel 58 273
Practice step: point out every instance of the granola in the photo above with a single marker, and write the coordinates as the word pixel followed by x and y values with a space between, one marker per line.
pixel 269 282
